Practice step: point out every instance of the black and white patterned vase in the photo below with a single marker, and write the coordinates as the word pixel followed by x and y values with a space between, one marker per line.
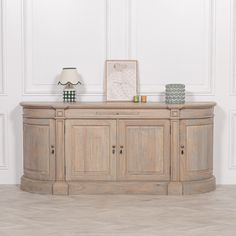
pixel 69 95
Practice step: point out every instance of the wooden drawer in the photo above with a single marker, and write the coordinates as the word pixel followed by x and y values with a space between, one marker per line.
pixel 38 113
pixel 117 113
pixel 196 113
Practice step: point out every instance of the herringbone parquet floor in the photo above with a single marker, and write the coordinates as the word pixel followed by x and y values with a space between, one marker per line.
pixel 25 214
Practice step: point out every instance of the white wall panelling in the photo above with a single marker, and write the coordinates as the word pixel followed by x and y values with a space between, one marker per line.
pixel 2 50
pixel 233 47
pixel 232 139
pixel 74 33
pixel 173 40
pixel 118 29
pixel 232 113
pixel 3 141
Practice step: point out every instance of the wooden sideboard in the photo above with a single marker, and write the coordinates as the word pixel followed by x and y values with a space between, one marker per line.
pixel 118 148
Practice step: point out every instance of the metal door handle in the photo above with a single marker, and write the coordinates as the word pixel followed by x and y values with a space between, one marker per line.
pixel 182 149
pixel 52 149
pixel 113 149
pixel 121 149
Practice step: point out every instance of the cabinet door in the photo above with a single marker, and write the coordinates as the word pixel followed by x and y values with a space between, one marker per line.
pixel 196 149
pixel 39 153
pixel 144 150
pixel 90 149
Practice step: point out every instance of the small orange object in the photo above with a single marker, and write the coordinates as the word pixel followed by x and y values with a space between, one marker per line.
pixel 144 99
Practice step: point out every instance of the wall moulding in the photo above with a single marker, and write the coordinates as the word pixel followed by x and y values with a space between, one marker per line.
pixel 207 87
pixel 3 141
pixel 34 86
pixel 232 48
pixel 2 49
pixel 232 140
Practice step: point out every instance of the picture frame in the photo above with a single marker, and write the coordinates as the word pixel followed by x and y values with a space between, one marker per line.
pixel 121 80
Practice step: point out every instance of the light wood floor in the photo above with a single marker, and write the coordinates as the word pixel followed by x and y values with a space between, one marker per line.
pixel 25 214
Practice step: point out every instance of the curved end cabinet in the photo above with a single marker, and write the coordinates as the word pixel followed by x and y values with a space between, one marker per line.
pixel 118 148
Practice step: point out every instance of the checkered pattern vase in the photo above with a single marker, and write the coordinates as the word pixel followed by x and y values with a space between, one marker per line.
pixel 69 95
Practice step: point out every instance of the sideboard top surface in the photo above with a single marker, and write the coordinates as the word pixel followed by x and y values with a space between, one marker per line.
pixel 116 105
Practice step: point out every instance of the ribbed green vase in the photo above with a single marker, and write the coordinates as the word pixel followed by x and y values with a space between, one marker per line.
pixel 175 93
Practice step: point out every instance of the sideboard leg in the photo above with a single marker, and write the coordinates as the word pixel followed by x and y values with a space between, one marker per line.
pixel 60 188
pixel 175 162
pixel 175 188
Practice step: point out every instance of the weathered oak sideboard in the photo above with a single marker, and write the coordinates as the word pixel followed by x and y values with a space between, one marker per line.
pixel 118 148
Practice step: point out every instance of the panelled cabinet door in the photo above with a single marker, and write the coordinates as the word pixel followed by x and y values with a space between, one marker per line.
pixel 144 150
pixel 196 149
pixel 90 149
pixel 39 149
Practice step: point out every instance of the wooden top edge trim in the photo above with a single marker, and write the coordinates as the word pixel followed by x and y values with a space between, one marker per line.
pixel 116 105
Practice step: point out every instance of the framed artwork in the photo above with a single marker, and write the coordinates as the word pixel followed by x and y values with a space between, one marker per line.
pixel 121 80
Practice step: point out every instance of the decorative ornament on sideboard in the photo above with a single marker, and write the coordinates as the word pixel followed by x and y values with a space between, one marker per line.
pixel 69 77
pixel 175 93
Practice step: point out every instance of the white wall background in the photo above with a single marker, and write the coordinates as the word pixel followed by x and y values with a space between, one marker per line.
pixel 184 41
